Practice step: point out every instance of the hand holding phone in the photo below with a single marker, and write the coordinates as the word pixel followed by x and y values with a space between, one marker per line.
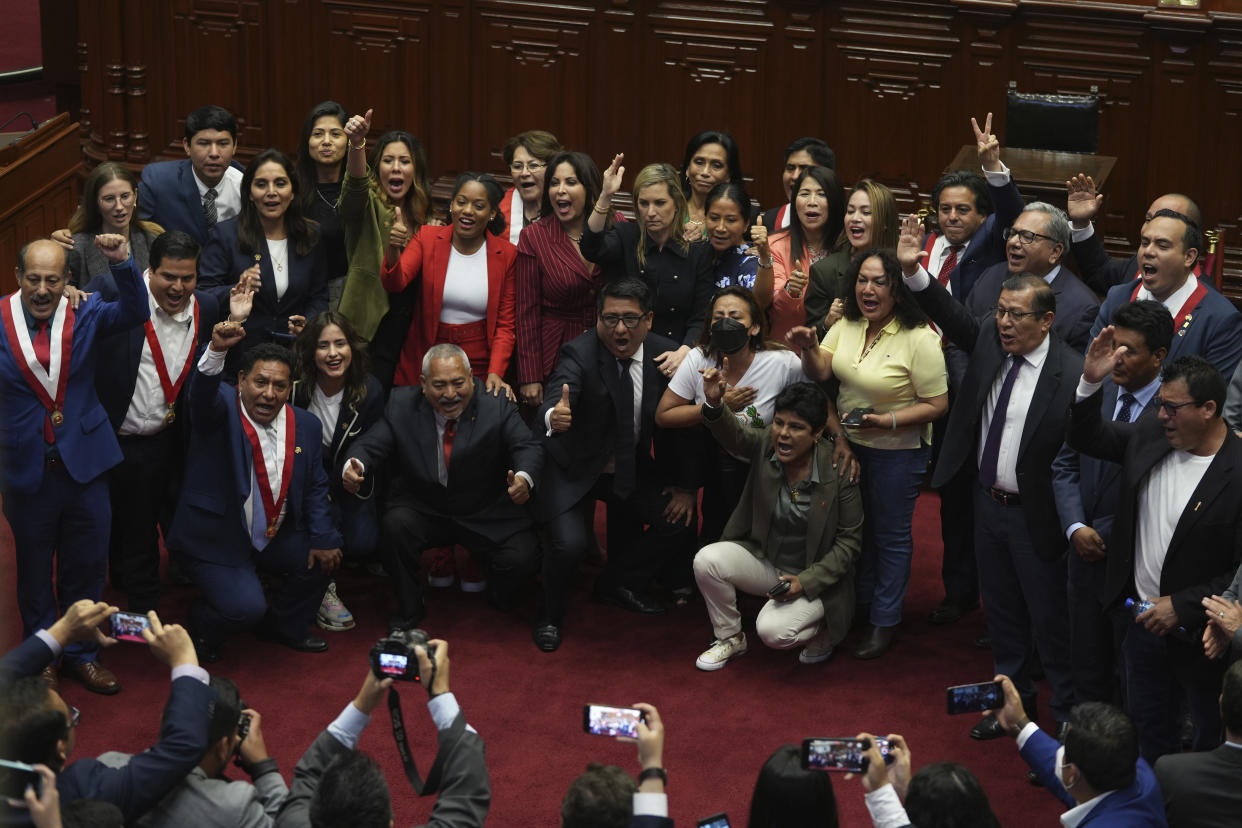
pixel 720 820
pixel 836 754
pixel 128 626
pixel 854 419
pixel 603 720
pixel 974 698
pixel 780 588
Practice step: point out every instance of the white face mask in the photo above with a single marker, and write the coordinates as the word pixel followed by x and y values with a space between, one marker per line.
pixel 1059 767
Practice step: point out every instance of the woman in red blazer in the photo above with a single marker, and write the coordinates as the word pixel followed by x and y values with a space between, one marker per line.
pixel 466 293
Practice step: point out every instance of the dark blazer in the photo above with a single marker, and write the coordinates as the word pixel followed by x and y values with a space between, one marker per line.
pixel 168 195
pixel 1044 427
pixel 1213 330
pixel 122 352
pixel 1201 788
pixel 577 457
pixel 1206 547
pixel 351 423
pixel 986 247
pixel 1077 306
pixel 85 443
pixel 209 523
pixel 491 439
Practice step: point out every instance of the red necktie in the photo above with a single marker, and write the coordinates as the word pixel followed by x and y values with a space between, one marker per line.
pixel 950 262
pixel 450 428
pixel 43 352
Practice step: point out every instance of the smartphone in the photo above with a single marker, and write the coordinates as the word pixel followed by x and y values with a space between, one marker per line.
pixel 603 720
pixel 780 589
pixel 854 418
pixel 15 777
pixel 974 698
pixel 715 821
pixel 840 754
pixel 128 626
pixel 282 338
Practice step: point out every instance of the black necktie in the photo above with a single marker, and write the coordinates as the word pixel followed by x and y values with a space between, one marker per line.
pixel 623 463
pixel 209 208
pixel 1127 403
pixel 991 444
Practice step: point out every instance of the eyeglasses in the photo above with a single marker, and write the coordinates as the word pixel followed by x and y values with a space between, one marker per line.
pixel 630 320
pixel 1015 315
pixel 529 166
pixel 1170 408
pixel 75 716
pixel 1025 236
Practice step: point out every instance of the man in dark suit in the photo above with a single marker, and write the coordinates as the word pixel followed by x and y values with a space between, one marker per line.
pixel 1087 490
pixel 255 495
pixel 335 784
pixel 464 464
pixel 1003 432
pixel 142 400
pixel 56 445
pixel 37 726
pixel 193 194
pixel 1206 788
pixel 800 155
pixel 1175 539
pixel 599 426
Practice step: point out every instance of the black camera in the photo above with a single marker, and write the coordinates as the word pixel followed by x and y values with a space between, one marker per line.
pixel 393 655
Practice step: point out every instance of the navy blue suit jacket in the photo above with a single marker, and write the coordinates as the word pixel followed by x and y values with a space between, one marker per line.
pixel 209 523
pixel 168 195
pixel 986 247
pixel 87 447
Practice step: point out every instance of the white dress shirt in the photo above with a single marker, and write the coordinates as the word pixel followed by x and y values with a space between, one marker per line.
pixel 147 407
pixel 1015 415
pixel 228 193
pixel 940 250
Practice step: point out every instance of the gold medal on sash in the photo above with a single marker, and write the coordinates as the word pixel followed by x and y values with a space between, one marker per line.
pixel 58 419
pixel 271 531
pixel 171 416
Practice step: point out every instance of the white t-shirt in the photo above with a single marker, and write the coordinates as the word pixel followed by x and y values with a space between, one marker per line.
pixel 465 288
pixel 1164 496
pixel 327 409
pixel 769 372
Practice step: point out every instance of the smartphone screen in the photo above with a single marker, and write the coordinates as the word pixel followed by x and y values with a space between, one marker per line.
pixel 715 821
pixel 838 754
pixel 14 778
pixel 603 720
pixel 128 626
pixel 975 698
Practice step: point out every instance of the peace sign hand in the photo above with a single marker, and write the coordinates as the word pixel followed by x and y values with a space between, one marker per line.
pixel 988 145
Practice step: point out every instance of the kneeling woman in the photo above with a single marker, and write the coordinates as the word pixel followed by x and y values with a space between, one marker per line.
pixel 793 537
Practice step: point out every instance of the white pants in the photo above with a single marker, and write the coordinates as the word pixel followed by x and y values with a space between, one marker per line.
pixel 722 568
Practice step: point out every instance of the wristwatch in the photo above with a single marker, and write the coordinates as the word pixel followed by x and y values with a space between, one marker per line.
pixel 654 773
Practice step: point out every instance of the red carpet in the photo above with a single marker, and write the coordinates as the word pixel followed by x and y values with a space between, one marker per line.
pixel 528 705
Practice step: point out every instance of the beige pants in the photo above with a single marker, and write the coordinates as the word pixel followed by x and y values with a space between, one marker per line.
pixel 722 568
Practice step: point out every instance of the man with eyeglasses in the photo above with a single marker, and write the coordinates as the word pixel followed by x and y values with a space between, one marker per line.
pixel 38 727
pixel 1175 539
pixel 598 422
pixel 1004 432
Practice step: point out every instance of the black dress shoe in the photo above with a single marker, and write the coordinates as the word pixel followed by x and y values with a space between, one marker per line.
pixel 984 642
pixel 1033 778
pixel 628 599
pixel 208 653
pixel 876 644
pixel 986 729
pixel 547 637
pixel 307 644
pixel 950 611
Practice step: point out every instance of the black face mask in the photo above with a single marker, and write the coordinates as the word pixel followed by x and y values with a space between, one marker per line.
pixel 729 336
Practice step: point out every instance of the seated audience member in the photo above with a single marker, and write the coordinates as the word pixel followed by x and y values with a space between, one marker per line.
pixel 786 795
pixel 320 168
pixel 1097 771
pixel 870 223
pixel 1087 490
pixel 1099 270
pixel 819 213
pixel 711 158
pixel 652 249
pixel 1178 514
pixel 381 208
pixel 255 496
pixel 799 156
pixel 1205 323
pixel 527 156
pixel 1224 615
pixel 195 194
pixel 799 529
pixel 37 726
pixel 904 389
pixel 206 797
pixel 275 249
pixel 143 398
pixel 477 501
pixel 734 262
pixel 332 380
pixel 940 795
pixel 108 207
pixel 605 796
pixel 55 452
pixel 599 416
pixel 556 286
pixel 335 784
pixel 1202 788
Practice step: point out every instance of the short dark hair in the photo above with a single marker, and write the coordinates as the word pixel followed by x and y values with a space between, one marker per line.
pixel 1148 318
pixel 266 352
pixel 711 136
pixel 1231 699
pixel 627 288
pixel 787 796
pixel 90 813
pixel 210 117
pixel 1202 379
pixel 494 194
pixel 948 795
pixel 30 726
pixel 1192 236
pixel 819 151
pixel 905 308
pixel 538 142
pixel 1044 301
pixel 1103 744
pixel 602 797
pixel 969 179
pixel 226 713
pixel 352 791
pixel 176 245
pixel 805 400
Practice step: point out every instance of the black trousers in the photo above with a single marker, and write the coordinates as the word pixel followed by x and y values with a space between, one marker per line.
pixel 143 490
pixel 958 568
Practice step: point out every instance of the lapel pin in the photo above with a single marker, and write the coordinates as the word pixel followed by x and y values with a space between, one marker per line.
pixel 297 449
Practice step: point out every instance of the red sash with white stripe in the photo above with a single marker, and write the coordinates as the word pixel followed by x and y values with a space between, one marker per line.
pixel 1181 322
pixel 47 384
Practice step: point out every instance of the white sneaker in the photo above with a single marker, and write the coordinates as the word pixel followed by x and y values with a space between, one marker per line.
pixel 817 650
pixel 332 613
pixel 722 652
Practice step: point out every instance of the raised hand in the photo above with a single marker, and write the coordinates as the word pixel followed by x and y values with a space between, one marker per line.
pixel 352 477
pixel 519 489
pixel 170 643
pixel 562 416
pixel 910 251
pixel 225 335
pixel 801 338
pixel 1101 356
pixel 1082 202
pixel 612 177
pixel 241 300
pixel 113 246
pixel 356 130
pixel 988 145
pixel 797 280
pixel 759 238
pixel 714 384
pixel 399 236
pixel 835 312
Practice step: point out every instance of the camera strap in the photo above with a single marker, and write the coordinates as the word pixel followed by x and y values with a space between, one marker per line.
pixel 447 740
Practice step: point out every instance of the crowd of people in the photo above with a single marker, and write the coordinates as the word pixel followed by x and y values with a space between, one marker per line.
pixel 293 366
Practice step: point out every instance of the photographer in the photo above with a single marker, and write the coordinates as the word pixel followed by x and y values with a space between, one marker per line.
pixel 940 795
pixel 335 785
pixel 37 726
pixel 605 796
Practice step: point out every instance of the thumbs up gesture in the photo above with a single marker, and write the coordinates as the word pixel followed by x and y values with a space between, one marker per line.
pixel 353 476
pixel 356 129
pixel 399 235
pixel 519 489
pixel 562 417
pixel 759 239
pixel 797 280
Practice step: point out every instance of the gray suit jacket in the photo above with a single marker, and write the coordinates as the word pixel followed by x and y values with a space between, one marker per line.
pixel 1202 788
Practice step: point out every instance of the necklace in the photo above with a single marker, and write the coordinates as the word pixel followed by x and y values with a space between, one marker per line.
pixel 324 199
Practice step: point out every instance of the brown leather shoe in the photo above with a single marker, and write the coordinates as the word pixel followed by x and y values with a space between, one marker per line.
pixel 876 642
pixel 49 676
pixel 94 676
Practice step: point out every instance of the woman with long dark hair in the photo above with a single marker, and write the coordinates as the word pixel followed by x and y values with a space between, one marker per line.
pixel 736 263
pixel 109 205
pixel 321 164
pixel 788 796
pixel 818 209
pixel 711 158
